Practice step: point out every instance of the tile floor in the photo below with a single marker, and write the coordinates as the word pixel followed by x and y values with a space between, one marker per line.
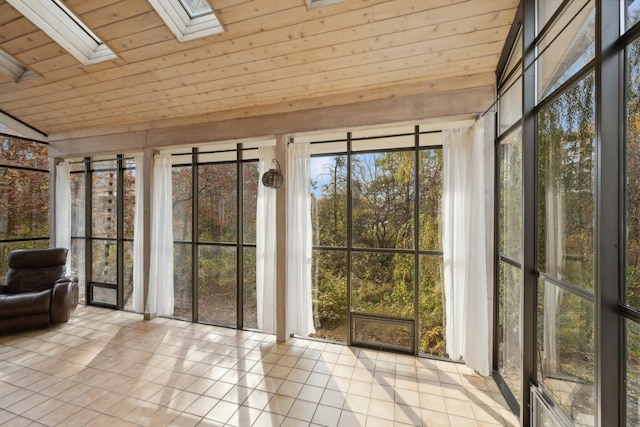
pixel 111 368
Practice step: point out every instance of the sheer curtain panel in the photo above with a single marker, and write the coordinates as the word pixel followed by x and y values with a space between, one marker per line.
pixel 466 283
pixel 138 239
pixel 160 298
pixel 266 246
pixel 299 240
pixel 63 209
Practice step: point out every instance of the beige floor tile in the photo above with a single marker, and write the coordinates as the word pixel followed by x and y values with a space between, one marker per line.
pixel 28 403
pixel 268 419
pixel 457 421
pixel 244 416
pixel 333 398
pixel 356 403
pixel 352 419
pixel 59 414
pixel 311 393
pixel 80 418
pixel 327 416
pixel 121 370
pixel 434 419
pixel 222 411
pixel 289 388
pixel 381 409
pixel 181 401
pixel 202 405
pixel 279 404
pixel 302 410
pixel 408 415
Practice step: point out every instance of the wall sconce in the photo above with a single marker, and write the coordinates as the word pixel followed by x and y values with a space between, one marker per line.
pixel 273 177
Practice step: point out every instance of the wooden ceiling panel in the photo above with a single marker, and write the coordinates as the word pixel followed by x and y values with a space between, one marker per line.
pixel 277 54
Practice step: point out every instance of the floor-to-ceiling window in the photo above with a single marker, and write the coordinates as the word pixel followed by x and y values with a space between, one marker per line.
pixel 509 228
pixel 24 192
pixel 102 222
pixel 630 302
pixel 577 323
pixel 377 251
pixel 565 120
pixel 214 229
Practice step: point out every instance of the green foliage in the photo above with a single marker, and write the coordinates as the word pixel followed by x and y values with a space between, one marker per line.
pixel 383 197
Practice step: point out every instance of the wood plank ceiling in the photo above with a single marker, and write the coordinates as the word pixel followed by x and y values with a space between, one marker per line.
pixel 274 56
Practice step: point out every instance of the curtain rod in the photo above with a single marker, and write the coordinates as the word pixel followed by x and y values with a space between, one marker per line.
pixel 365 138
pixel 85 161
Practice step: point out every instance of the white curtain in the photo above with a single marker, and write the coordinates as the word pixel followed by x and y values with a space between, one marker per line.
pixel 138 239
pixel 160 298
pixel 63 209
pixel 298 184
pixel 266 246
pixel 466 255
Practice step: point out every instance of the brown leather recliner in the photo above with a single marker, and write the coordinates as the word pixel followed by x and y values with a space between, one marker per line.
pixel 36 292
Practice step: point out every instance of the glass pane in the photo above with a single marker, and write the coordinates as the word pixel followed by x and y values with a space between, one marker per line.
pixel 514 57
pixel 78 193
pixel 182 282
pixel 329 200
pixel 217 297
pixel 105 261
pixel 24 206
pixel 22 153
pixel 510 104
pixel 102 295
pixel 633 373
pixel 129 207
pixel 564 51
pixel 104 204
pixel 566 172
pixel 509 349
pixel 431 305
pixel 127 286
pixel 382 194
pixel 249 201
pixel 510 196
pixel 566 350
pixel 196 8
pixel 382 283
pixel 633 175
pixel 217 206
pixel 77 268
pixel 329 294
pixel 7 247
pixel 380 333
pixel 546 9
pixel 632 12
pixel 182 202
pixel 430 218
pixel 249 296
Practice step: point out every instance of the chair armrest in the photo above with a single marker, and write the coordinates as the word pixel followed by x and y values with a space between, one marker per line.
pixel 64 300
pixel 3 288
pixel 73 279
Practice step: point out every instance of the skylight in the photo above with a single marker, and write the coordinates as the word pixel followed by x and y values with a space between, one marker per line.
pixel 188 19
pixel 196 8
pixel 312 4
pixel 12 67
pixel 65 28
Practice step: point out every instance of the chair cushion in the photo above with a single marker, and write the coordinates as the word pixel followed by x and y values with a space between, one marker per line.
pixel 34 269
pixel 24 304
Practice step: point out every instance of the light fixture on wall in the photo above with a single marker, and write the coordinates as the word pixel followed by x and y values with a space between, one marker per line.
pixel 273 177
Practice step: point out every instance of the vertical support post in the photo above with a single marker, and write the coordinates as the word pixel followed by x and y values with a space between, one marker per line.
pixel 281 241
pixel 528 303
pixel 52 201
pixel 609 218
